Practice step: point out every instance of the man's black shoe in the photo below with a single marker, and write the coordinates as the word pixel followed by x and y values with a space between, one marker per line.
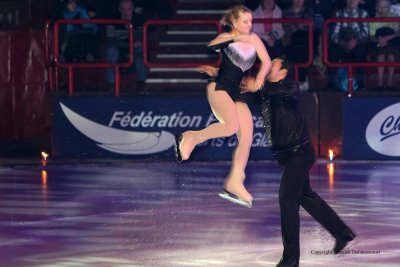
pixel 341 241
pixel 288 262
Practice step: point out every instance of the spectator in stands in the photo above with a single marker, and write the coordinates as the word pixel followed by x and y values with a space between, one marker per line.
pixel 349 39
pixel 296 38
pixel 395 7
pixel 385 42
pixel 80 41
pixel 117 44
pixel 270 33
pixel 95 8
pixel 322 9
pixel 367 5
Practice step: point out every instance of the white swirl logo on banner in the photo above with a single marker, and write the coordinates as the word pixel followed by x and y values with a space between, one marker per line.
pixel 383 131
pixel 120 141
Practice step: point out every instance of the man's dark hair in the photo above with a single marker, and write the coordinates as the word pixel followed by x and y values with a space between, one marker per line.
pixel 347 34
pixel 286 64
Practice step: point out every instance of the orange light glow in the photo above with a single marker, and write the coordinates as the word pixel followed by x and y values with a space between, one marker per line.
pixel 44 177
pixel 331 172
pixel 331 155
pixel 44 184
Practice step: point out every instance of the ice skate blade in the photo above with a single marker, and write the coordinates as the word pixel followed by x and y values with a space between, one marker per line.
pixel 234 199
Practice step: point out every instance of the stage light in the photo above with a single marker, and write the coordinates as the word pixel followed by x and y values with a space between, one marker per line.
pixel 331 155
pixel 44 158
pixel 44 155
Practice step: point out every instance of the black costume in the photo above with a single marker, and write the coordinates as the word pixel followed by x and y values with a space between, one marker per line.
pixel 288 133
pixel 237 58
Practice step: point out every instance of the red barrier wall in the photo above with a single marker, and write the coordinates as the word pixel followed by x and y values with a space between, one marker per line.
pixel 24 100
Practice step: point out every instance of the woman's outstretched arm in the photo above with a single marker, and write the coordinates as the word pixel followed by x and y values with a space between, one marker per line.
pixel 220 39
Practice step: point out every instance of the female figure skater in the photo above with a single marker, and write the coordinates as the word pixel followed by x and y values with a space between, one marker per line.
pixel 239 48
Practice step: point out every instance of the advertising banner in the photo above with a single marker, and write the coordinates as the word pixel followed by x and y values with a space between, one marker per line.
pixel 142 127
pixel 371 128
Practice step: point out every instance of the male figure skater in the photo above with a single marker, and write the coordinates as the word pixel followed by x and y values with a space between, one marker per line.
pixel 288 133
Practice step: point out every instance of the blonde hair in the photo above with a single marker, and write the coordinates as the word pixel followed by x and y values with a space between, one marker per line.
pixel 233 13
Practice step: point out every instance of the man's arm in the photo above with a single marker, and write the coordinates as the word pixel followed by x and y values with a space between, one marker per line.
pixel 209 70
pixel 286 88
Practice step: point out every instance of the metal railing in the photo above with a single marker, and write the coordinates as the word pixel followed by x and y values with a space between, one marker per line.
pixel 55 63
pixel 54 60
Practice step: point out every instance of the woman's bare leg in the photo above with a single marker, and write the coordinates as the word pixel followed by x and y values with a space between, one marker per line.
pixel 224 110
pixel 234 182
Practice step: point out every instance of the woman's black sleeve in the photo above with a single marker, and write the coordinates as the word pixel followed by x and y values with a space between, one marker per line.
pixel 218 46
